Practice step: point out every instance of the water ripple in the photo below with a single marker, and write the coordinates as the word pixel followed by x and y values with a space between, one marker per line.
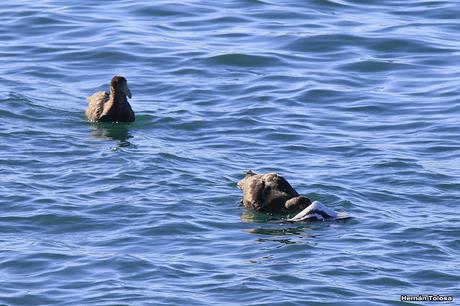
pixel 356 103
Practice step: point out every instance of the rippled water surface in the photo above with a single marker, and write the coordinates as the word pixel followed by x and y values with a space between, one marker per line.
pixel 356 103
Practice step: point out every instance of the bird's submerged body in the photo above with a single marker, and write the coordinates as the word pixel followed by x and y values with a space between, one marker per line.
pixel 113 107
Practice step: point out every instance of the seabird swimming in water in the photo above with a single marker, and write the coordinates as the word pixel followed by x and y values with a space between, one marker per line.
pixel 113 107
pixel 270 193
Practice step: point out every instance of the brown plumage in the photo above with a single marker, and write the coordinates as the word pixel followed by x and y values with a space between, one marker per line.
pixel 113 107
pixel 270 193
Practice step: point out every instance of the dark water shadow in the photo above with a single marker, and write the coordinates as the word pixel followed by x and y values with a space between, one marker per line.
pixel 280 231
pixel 251 216
pixel 114 131
pixel 275 228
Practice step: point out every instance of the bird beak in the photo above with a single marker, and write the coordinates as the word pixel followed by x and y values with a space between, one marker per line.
pixel 128 92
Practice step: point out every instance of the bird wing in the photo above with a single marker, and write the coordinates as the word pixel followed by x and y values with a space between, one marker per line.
pixel 96 105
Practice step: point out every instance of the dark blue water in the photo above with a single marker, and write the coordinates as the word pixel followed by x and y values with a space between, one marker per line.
pixel 356 103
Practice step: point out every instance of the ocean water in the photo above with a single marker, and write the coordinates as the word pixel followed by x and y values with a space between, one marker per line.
pixel 356 103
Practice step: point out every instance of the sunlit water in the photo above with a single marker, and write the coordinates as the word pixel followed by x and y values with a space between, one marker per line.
pixel 356 103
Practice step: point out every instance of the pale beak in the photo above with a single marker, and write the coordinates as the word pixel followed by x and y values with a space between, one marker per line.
pixel 128 92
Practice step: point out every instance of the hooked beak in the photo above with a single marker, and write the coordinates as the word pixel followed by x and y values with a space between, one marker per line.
pixel 128 92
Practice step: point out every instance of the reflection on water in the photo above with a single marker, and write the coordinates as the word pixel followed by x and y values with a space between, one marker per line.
pixel 114 131
pixel 251 216
pixel 297 230
pixel 284 235
pixel 276 227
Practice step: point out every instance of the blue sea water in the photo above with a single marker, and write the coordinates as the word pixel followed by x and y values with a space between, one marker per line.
pixel 356 103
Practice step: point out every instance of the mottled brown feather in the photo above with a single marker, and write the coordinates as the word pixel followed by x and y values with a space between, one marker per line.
pixel 270 193
pixel 96 104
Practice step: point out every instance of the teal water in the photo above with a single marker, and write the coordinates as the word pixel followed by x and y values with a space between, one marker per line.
pixel 356 103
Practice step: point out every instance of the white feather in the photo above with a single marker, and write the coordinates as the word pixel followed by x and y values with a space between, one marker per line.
pixel 311 212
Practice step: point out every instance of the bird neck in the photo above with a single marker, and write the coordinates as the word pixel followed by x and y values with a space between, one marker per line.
pixel 118 97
